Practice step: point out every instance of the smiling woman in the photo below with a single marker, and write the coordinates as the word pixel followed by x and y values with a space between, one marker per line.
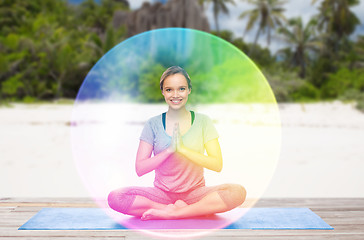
pixel 119 102
pixel 176 86
pixel 178 140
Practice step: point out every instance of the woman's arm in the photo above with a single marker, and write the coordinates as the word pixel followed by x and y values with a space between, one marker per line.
pixel 144 163
pixel 212 161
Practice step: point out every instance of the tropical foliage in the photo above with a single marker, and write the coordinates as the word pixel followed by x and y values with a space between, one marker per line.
pixel 302 43
pixel 267 13
pixel 218 6
pixel 47 47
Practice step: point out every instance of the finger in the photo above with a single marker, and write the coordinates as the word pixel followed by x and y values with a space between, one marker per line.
pixel 174 128
pixel 174 136
pixel 177 129
pixel 144 217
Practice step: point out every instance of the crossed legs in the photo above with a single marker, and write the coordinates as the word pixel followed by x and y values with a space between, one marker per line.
pixel 149 204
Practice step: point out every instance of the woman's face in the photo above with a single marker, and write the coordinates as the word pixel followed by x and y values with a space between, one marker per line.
pixel 176 91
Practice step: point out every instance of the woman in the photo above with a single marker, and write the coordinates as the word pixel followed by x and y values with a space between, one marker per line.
pixel 178 139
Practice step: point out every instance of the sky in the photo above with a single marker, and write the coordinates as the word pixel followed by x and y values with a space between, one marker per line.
pixel 294 8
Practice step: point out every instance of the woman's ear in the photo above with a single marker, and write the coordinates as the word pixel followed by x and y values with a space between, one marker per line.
pixel 189 90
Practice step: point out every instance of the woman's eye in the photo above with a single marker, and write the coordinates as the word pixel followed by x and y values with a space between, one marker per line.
pixel 168 90
pixel 182 89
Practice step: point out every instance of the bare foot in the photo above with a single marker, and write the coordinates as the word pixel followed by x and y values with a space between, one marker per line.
pixel 181 204
pixel 170 207
pixel 168 213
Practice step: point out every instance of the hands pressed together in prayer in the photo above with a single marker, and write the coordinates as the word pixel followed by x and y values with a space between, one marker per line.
pixel 212 161
pixel 176 142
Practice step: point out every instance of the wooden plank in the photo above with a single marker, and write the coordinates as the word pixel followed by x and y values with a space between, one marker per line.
pixel 278 234
pixel 214 234
pixel 48 204
pixel 10 231
pixel 176 232
pixel 4 211
pixel 13 221
pixel 262 201
pixel 314 201
pixel 327 205
pixel 27 209
pixel 342 204
pixel 6 208
pixel 61 237
pixel 341 217
pixel 226 236
pixel 321 203
pixel 278 237
pixel 48 200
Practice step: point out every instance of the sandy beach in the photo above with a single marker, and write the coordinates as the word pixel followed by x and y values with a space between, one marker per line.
pixel 321 153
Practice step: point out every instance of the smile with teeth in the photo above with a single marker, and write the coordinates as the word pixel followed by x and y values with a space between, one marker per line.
pixel 176 101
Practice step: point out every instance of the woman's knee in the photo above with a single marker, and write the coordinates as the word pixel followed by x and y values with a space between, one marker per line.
pixel 233 195
pixel 120 200
pixel 242 193
pixel 238 193
pixel 112 199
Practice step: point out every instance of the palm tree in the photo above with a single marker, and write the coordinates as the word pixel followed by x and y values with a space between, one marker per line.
pixel 336 19
pixel 359 46
pixel 269 13
pixel 218 6
pixel 302 39
pixel 356 55
pixel 335 16
pixel 98 15
pixel 202 4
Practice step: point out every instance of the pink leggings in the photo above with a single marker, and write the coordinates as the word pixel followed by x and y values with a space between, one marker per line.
pixel 122 199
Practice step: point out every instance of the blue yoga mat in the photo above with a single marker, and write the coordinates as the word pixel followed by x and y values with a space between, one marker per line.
pixel 97 219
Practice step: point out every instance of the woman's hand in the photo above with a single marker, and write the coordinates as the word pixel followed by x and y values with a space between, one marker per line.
pixel 212 161
pixel 178 138
pixel 173 147
pixel 179 141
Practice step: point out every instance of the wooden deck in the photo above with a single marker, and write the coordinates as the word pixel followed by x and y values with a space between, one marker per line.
pixel 346 215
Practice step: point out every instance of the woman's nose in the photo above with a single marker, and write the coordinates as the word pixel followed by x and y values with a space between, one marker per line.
pixel 175 93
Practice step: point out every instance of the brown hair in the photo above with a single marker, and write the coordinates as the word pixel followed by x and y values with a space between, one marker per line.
pixel 174 70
